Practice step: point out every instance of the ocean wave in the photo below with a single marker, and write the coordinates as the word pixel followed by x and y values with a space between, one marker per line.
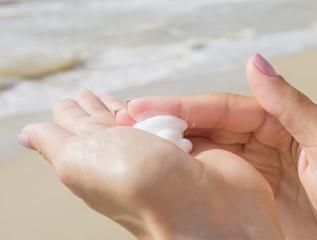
pixel 38 64
pixel 122 68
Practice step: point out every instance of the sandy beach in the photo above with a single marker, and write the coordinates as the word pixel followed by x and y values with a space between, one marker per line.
pixel 35 205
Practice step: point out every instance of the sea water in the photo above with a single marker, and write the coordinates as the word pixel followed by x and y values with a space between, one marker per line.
pixel 50 49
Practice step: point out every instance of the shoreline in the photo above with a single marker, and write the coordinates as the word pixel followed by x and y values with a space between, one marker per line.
pixel 35 205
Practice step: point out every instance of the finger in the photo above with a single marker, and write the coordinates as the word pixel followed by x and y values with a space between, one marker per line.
pixel 69 115
pixel 66 112
pixel 47 139
pixel 124 119
pixel 220 136
pixel 221 111
pixel 113 104
pixel 296 112
pixel 202 147
pixel 92 104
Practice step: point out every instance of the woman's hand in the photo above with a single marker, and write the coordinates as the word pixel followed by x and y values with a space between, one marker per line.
pixel 276 132
pixel 149 185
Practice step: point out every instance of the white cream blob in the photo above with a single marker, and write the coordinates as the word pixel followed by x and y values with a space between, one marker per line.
pixel 168 127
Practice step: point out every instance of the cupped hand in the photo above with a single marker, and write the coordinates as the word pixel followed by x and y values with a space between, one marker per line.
pixel 149 185
pixel 275 132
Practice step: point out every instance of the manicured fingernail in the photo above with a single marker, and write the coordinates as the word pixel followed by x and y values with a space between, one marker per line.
pixel 263 65
pixel 24 141
pixel 302 163
pixel 127 101
pixel 116 112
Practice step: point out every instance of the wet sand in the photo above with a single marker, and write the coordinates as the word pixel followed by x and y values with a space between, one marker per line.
pixel 35 205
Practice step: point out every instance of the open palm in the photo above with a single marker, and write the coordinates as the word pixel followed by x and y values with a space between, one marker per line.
pixel 149 185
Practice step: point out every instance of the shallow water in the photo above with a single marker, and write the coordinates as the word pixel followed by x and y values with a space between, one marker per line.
pixel 49 49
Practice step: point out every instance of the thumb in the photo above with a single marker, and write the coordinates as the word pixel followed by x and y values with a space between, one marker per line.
pixel 296 112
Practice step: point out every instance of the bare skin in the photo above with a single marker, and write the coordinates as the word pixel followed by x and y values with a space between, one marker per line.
pixel 123 173
pixel 275 131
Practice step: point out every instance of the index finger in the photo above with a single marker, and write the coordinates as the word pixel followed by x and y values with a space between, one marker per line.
pixel 219 111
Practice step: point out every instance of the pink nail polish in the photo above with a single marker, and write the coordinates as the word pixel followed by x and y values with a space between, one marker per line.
pixel 127 101
pixel 263 65
pixel 24 141
pixel 116 112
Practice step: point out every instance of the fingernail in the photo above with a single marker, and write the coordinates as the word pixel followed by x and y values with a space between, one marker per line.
pixel 302 163
pixel 116 112
pixel 263 65
pixel 127 101
pixel 24 141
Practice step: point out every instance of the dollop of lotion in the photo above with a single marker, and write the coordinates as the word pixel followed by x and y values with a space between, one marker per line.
pixel 170 128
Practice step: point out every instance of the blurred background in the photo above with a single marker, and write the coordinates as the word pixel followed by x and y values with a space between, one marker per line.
pixel 130 48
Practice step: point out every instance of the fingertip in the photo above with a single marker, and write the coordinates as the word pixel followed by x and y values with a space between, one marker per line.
pixel 262 85
pixel 249 66
pixel 254 75
pixel 82 93
pixel 112 103
pixel 46 138
pixel 142 108
pixel 263 65
pixel 135 106
pixel 84 97
pixel 259 69
pixel 29 136
pixel 62 104
pixel 124 119
pixel 23 140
